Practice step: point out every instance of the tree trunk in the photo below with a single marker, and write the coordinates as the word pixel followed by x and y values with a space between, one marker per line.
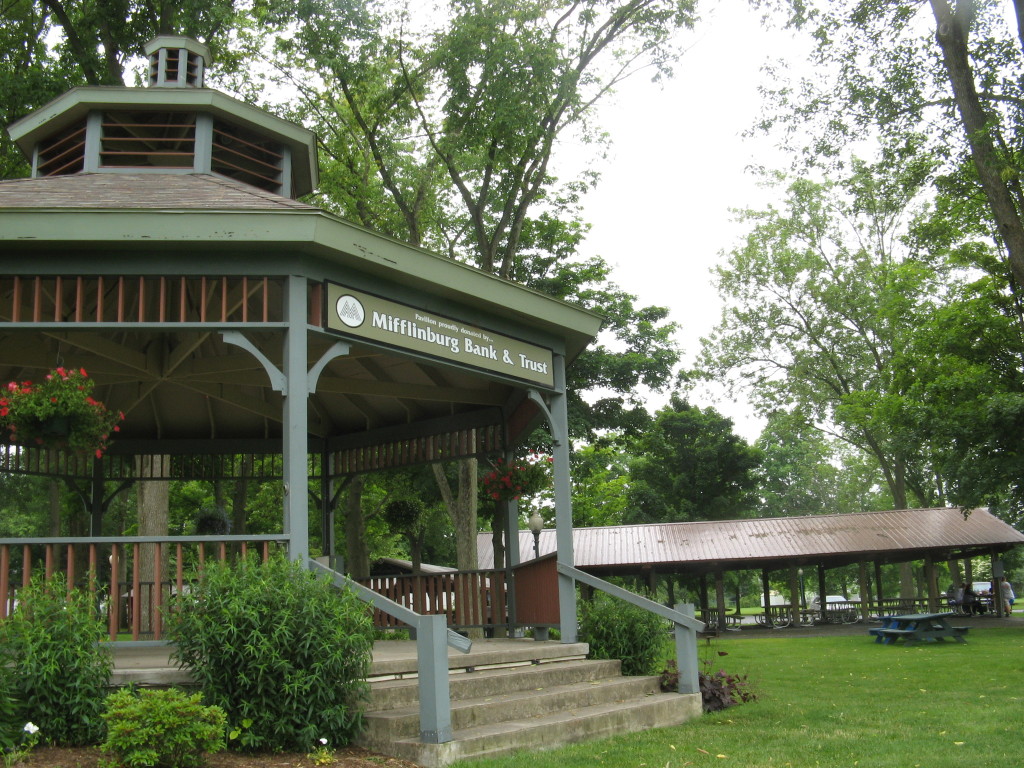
pixel 153 500
pixel 952 29
pixel 357 555
pixel 461 508
pixel 497 536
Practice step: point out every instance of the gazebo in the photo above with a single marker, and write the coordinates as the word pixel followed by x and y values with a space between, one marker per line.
pixel 160 245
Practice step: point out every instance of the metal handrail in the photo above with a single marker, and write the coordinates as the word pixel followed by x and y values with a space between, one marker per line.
pixel 432 640
pixel 685 625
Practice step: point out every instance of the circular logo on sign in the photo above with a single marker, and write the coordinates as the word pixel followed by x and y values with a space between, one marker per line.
pixel 350 311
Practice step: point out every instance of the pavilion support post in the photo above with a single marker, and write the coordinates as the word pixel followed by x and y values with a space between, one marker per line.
pixel 766 591
pixel 865 590
pixel 563 504
pixel 794 597
pixel 879 590
pixel 822 591
pixel 295 437
pixel 720 599
pixel 998 604
pixel 931 584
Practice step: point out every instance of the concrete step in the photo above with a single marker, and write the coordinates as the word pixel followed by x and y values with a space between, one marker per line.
pixel 397 659
pixel 526 702
pixel 404 692
pixel 550 730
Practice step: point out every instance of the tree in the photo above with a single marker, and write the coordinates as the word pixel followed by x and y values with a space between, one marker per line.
pixel 441 130
pixel 821 300
pixel 600 489
pixel 690 466
pixel 881 66
pixel 969 394
pixel 439 126
pixel 803 472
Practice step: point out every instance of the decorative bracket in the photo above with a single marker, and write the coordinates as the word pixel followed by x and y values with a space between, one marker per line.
pixel 536 397
pixel 278 380
pixel 338 349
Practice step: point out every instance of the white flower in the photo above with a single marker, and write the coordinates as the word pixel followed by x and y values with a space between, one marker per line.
pixel 31 728
pixel 323 741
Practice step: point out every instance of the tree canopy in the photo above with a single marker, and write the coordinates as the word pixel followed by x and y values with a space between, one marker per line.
pixel 690 465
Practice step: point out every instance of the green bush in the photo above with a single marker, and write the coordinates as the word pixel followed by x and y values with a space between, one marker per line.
pixel 59 671
pixel 165 728
pixel 11 721
pixel 617 630
pixel 284 653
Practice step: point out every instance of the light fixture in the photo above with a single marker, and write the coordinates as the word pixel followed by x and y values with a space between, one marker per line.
pixel 536 526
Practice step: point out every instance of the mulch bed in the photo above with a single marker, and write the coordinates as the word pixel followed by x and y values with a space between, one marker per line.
pixel 349 757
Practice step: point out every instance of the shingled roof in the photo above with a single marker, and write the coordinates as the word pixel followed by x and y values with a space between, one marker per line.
pixel 190 191
pixel 777 542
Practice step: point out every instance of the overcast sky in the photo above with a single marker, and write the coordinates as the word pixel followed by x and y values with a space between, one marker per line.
pixel 660 214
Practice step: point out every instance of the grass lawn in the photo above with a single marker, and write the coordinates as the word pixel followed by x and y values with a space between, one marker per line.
pixel 839 701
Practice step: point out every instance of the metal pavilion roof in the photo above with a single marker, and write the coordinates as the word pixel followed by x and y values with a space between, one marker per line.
pixel 831 540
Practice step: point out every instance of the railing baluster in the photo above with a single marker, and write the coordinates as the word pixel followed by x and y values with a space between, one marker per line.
pixel 135 600
pixel 180 572
pixel 71 568
pixel 114 600
pixel 5 572
pixel 93 561
pixel 157 601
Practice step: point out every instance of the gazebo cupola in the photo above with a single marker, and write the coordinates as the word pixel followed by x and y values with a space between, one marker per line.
pixel 174 126
pixel 176 62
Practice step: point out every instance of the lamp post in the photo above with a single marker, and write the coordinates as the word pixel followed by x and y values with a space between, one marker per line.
pixel 536 526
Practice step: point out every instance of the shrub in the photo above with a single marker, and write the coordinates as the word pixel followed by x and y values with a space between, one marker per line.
pixel 59 669
pixel 285 654
pixel 718 690
pixel 10 715
pixel 165 728
pixel 617 630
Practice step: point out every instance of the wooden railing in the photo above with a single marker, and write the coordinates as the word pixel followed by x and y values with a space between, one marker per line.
pixel 133 603
pixel 465 598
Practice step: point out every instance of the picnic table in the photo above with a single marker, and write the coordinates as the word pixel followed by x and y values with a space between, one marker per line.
pixel 710 617
pixel 916 628
pixel 780 616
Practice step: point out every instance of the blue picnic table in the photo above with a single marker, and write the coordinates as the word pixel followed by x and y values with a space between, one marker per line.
pixel 917 628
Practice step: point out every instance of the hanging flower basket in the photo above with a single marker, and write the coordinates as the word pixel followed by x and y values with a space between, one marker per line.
pixel 511 481
pixel 58 412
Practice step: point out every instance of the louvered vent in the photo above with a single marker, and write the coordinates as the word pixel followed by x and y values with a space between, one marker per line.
pixel 148 140
pixel 63 153
pixel 247 157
